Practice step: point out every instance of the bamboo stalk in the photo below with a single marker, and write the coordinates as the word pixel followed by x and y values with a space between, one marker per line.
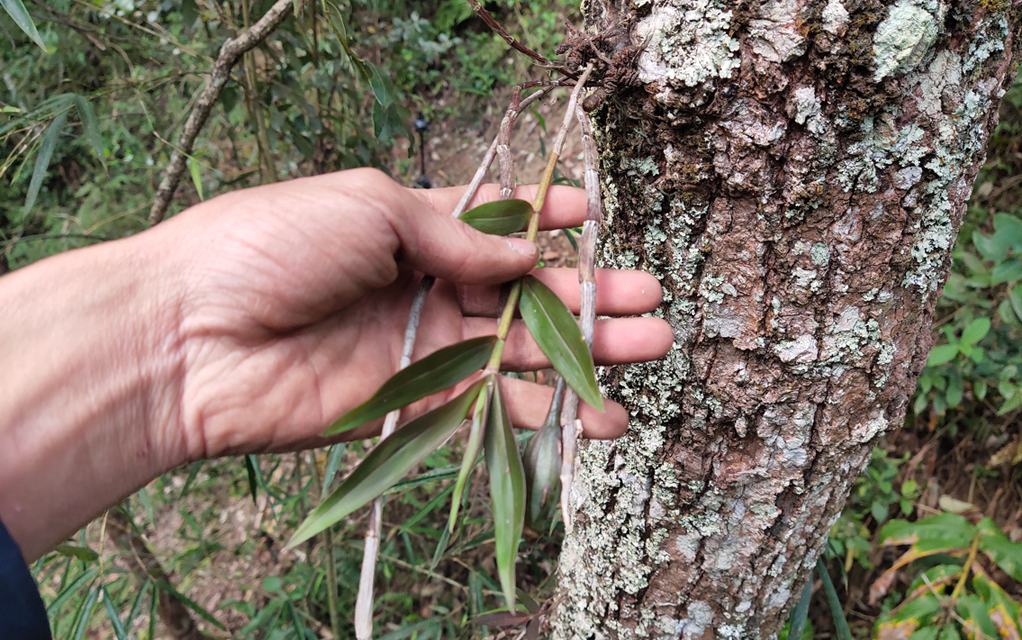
pixel 571 426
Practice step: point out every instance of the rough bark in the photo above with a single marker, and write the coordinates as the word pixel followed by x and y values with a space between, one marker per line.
pixel 795 172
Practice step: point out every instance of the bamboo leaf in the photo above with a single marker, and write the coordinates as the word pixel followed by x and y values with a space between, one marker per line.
pixel 193 169
pixel 42 161
pixel 836 610
pixel 557 334
pixel 111 614
pixel 799 615
pixel 434 373
pixel 19 14
pixel 392 458
pixel 498 218
pixel 88 608
pixel 84 554
pixel 475 440
pixel 89 127
pixel 507 492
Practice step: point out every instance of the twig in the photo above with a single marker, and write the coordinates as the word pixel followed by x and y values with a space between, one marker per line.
pixel 231 50
pixel 571 426
pixel 364 601
pixel 485 16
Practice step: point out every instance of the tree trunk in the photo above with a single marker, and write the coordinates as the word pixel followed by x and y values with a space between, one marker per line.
pixel 795 172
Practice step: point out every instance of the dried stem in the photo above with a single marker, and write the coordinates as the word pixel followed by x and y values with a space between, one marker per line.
pixel 514 44
pixel 230 52
pixel 571 427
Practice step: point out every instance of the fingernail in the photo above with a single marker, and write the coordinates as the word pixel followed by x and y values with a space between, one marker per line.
pixel 522 246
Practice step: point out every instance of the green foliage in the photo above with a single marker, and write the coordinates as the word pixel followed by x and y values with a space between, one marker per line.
pixel 957 597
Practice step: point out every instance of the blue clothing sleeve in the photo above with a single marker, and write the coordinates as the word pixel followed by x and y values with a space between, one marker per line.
pixel 22 614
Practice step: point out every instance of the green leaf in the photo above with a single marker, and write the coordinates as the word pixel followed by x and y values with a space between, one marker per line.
pixel 798 616
pixel 974 612
pixel 1007 271
pixel 111 614
pixel 1004 612
pixel 392 458
pixel 434 373
pixel 42 161
pixel 837 612
pixel 498 218
pixel 941 531
pixel 507 492
pixel 480 417
pixel 980 388
pixel 553 327
pixel 89 127
pixel 192 473
pixel 19 14
pixel 252 470
pixel 1008 230
pixel 332 464
pixel 926 633
pixel 1007 554
pixel 84 554
pixel 193 169
pixel 1013 402
pixel 1016 300
pixel 955 390
pixel 86 616
pixel 988 247
pixel 976 331
pixel 941 355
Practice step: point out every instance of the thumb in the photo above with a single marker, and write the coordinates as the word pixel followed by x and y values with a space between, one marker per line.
pixel 437 244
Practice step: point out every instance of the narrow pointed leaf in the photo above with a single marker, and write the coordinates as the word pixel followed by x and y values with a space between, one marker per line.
pixel 89 126
pixel 111 613
pixel 434 373
pixel 498 218
pixel 507 492
pixel 475 441
pixel 19 14
pixel 392 458
pixel 836 611
pixel 42 161
pixel 557 334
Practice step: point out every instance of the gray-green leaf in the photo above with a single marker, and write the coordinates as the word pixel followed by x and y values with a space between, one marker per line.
pixel 553 327
pixel 19 14
pixel 498 218
pixel 392 458
pixel 542 461
pixel 434 373
pixel 507 492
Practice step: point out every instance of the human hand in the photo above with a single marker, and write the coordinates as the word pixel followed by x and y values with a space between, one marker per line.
pixel 295 296
pixel 249 323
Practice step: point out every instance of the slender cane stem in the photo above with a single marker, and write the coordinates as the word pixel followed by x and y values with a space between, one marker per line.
pixel 506 316
pixel 364 601
pixel 571 427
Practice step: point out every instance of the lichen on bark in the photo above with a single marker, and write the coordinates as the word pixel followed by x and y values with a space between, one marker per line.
pixel 795 172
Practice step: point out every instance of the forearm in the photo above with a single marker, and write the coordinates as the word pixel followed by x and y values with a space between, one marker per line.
pixel 87 355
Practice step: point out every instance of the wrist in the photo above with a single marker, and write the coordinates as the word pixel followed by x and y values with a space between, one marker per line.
pixel 90 362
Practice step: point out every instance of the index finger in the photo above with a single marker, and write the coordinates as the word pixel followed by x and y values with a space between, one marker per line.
pixel 564 207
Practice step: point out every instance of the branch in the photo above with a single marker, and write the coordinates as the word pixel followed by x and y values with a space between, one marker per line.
pixel 571 427
pixel 485 16
pixel 230 52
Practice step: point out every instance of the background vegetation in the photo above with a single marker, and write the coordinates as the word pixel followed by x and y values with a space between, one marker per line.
pixel 86 127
